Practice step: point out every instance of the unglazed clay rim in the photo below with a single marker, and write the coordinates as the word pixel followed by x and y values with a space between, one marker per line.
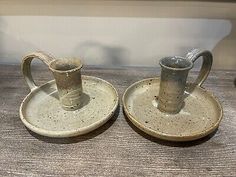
pixel 74 132
pixel 168 137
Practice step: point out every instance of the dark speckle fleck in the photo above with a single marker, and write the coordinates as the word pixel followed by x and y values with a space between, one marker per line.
pixel 208 169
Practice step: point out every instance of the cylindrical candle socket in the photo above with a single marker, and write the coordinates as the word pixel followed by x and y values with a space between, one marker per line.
pixel 68 80
pixel 174 74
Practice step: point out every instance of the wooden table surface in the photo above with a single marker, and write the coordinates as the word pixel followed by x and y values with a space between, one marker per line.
pixel 117 148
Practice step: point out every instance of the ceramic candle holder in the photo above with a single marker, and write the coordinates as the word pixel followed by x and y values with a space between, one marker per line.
pixel 67 76
pixel 70 105
pixel 174 74
pixel 171 109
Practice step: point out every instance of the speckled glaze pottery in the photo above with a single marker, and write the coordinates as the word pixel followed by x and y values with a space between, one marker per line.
pixel 68 106
pixel 170 109
pixel 174 73
pixel 68 80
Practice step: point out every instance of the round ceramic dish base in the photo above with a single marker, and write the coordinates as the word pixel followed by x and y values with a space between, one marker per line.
pixel 42 113
pixel 200 115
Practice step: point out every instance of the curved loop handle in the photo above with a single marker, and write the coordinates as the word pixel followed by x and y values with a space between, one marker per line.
pixel 206 64
pixel 26 69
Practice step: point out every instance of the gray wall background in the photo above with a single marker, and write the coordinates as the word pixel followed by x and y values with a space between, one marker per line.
pixel 118 33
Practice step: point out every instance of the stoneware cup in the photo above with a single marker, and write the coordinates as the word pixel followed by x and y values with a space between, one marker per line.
pixel 67 76
pixel 174 72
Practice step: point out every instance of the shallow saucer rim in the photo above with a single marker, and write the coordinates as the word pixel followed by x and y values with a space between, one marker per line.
pixel 68 133
pixel 165 136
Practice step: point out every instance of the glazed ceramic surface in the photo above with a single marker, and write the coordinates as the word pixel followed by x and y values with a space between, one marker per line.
pixel 41 111
pixel 174 73
pixel 66 73
pixel 200 115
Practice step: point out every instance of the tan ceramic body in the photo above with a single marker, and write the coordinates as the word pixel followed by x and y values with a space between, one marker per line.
pixel 69 106
pixel 170 109
pixel 141 109
pixel 68 81
pixel 49 119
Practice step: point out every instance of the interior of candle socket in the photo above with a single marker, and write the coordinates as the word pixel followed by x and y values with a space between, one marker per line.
pixel 176 62
pixel 66 64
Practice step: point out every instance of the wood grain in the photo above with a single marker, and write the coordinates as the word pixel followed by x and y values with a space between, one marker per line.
pixel 117 148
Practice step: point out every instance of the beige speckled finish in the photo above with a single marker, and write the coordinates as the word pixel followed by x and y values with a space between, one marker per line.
pixel 199 117
pixel 66 73
pixel 169 108
pixel 69 105
pixel 41 112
